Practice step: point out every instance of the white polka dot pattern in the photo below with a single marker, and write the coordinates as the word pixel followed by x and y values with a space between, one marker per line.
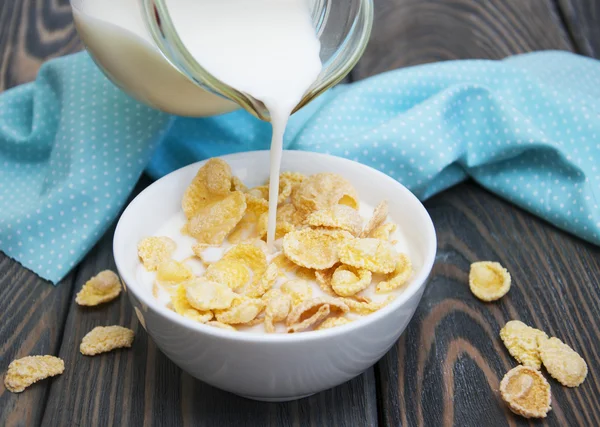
pixel 72 146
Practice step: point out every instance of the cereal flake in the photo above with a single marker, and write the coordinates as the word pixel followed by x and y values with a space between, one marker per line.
pixel 317 249
pixel 399 277
pixel 103 287
pixel 102 339
pixel 562 362
pixel 347 281
pixel 489 281
pixel 28 370
pixel 526 392
pixel 379 215
pixel 374 255
pixel 155 250
pixel 521 341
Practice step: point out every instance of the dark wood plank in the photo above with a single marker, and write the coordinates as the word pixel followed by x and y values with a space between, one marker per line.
pixel 31 32
pixel 412 32
pixel 32 317
pixel 141 386
pixel 582 18
pixel 447 366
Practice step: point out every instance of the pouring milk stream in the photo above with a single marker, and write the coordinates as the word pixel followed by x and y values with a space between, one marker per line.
pixel 265 48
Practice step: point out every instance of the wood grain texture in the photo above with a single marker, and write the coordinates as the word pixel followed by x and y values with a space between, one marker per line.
pixel 412 32
pixel 447 366
pixel 582 18
pixel 31 32
pixel 140 386
pixel 32 315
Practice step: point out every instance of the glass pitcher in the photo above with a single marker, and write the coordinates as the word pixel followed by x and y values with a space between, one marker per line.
pixel 138 48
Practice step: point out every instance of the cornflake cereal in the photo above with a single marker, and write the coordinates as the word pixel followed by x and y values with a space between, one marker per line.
pixel 488 280
pixel 154 250
pixel 28 370
pixel 311 312
pixel 316 249
pixel 374 255
pixel 339 216
pixel 562 362
pixel 347 281
pixel 330 262
pixel 378 218
pixel 181 305
pixel 103 287
pixel 526 392
pixel 521 342
pixel 398 277
pixel 102 339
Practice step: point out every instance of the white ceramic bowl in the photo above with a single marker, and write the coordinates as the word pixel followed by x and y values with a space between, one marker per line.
pixel 275 367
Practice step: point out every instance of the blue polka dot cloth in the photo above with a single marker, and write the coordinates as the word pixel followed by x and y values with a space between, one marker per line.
pixel 527 128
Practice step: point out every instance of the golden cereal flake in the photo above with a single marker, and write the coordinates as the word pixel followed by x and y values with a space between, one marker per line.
pixel 205 295
pixel 371 254
pixel 316 249
pixel 28 370
pixel 103 287
pixel 313 311
pixel 521 341
pixel 243 310
pixel 323 279
pixel 332 322
pixel 230 272
pixel 296 178
pixel 171 272
pixel 216 324
pixel 488 280
pixel 339 216
pixel 102 339
pixel 562 362
pixel 181 306
pixel 260 192
pixel 384 231
pixel 281 227
pixel 278 306
pixel 251 256
pixel 314 318
pixel 347 281
pixel 238 185
pixel 211 184
pixel 366 306
pixel 300 290
pixel 526 392
pixel 397 278
pixel 323 191
pixel 379 216
pixel 155 250
pixel 266 282
pixel 212 223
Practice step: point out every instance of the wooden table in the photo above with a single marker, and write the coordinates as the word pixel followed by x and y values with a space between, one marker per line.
pixel 445 368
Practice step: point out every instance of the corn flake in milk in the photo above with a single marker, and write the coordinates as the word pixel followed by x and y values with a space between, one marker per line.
pixel 329 267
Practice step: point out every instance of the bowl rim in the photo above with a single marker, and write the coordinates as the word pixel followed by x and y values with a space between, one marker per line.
pixel 149 301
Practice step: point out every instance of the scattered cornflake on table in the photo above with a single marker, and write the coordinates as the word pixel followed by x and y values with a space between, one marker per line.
pixel 489 281
pixel 28 370
pixel 526 392
pixel 102 339
pixel 521 342
pixel 103 287
pixel 562 362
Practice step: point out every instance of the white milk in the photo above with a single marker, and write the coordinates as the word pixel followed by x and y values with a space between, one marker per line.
pixel 265 48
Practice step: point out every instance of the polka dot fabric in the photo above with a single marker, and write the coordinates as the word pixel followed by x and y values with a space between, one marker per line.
pixel 72 146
